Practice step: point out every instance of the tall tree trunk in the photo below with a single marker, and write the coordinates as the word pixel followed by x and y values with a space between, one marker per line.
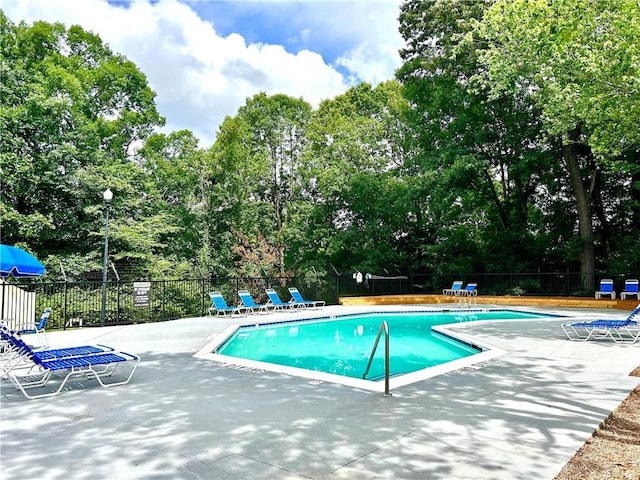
pixel 583 202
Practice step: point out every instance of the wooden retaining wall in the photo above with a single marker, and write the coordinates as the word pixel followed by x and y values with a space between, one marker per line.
pixel 413 299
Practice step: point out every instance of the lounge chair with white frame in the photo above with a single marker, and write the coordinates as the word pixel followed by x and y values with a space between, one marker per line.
pixel 455 288
pixel 630 289
pixel 220 307
pixel 36 328
pixel 470 290
pixel 297 298
pixel 620 331
pixel 249 303
pixel 276 302
pixel 606 289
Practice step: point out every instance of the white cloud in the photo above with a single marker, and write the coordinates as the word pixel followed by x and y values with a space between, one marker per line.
pixel 371 27
pixel 200 76
pixel 371 64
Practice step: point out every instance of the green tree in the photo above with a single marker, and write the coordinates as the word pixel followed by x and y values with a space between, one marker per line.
pixel 477 163
pixel 580 63
pixel 255 170
pixel 140 225
pixel 71 111
pixel 355 212
pixel 179 175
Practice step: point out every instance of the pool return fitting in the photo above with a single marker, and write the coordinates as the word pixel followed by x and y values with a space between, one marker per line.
pixel 384 327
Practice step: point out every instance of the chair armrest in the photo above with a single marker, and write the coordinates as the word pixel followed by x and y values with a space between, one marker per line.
pixel 24 326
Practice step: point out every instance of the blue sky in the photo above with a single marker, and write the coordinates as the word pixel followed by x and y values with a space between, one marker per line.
pixel 295 25
pixel 290 24
pixel 205 57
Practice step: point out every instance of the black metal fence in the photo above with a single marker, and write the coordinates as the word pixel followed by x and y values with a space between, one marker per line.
pixel 545 284
pixel 80 303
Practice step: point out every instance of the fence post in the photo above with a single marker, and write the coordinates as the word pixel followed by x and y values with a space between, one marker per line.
pixel 164 297
pixel 64 307
pixel 118 301
pixel 315 295
pixel 202 293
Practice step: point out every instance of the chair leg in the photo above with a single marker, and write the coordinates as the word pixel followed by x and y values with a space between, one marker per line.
pixel 42 334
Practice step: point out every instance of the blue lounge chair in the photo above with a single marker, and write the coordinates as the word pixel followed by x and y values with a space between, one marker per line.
pixel 296 297
pixel 220 307
pixel 249 303
pixel 35 371
pixel 36 328
pixel 14 348
pixel 606 289
pixel 470 290
pixel 630 289
pixel 455 288
pixel 621 331
pixel 277 303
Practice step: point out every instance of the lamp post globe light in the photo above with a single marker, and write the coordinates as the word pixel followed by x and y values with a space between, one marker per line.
pixel 107 196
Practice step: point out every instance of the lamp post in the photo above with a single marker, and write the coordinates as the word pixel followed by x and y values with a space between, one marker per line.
pixel 106 196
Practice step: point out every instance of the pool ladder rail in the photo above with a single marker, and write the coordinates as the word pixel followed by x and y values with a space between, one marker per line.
pixel 384 327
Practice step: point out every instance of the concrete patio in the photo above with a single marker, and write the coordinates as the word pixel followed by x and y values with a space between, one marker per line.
pixel 519 416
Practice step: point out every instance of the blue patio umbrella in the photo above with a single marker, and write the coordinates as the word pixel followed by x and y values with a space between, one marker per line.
pixel 16 262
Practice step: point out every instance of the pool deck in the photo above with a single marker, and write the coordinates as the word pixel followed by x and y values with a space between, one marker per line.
pixel 521 415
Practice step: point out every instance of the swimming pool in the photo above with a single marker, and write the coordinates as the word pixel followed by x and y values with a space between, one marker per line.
pixel 340 346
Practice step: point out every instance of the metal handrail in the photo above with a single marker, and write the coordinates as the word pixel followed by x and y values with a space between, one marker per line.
pixel 384 327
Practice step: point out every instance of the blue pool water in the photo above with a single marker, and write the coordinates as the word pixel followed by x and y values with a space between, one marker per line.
pixel 342 345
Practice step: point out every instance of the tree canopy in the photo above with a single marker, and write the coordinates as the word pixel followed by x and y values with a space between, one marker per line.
pixel 508 141
pixel 71 111
pixel 580 65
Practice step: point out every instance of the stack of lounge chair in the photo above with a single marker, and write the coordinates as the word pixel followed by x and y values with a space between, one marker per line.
pixel 43 373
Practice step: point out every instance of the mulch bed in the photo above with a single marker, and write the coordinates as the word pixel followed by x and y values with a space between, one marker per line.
pixel 613 452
